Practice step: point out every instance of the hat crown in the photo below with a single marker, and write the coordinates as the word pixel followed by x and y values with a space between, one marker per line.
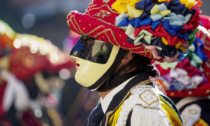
pixel 102 10
pixel 151 28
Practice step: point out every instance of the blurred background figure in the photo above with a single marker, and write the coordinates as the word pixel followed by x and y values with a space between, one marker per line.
pixel 33 73
pixel 36 82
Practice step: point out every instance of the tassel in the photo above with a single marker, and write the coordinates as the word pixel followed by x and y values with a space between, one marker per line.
pixel 148 117
pixel 146 110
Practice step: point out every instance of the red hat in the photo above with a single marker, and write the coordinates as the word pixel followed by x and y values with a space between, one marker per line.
pixel 25 61
pixel 33 54
pixel 124 23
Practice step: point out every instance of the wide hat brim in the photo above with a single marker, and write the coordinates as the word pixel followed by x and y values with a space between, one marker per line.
pixel 104 31
pixel 138 26
pixel 201 91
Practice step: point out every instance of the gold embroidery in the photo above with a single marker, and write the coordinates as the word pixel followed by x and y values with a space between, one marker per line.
pixel 193 111
pixel 117 41
pixel 108 37
pixel 92 5
pixel 102 14
pixel 147 107
pixel 110 9
pixel 207 48
pixel 100 26
pixel 150 53
pixel 126 96
pixel 78 29
pixel 106 22
pixel 145 52
pixel 70 20
pixel 77 25
pixel 106 1
pixel 143 93
pixel 103 32
pixel 186 116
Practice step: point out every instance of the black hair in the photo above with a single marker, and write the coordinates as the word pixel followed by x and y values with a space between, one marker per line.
pixel 140 63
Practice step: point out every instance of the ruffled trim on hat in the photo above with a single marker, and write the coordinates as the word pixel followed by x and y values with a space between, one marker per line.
pixel 168 25
pixel 186 76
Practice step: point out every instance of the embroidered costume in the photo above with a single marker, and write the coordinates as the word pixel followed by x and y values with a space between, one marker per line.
pixel 137 102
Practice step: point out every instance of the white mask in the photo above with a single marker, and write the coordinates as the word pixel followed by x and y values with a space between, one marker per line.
pixel 90 72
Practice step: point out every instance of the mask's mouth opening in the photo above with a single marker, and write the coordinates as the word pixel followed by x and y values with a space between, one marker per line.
pixel 93 50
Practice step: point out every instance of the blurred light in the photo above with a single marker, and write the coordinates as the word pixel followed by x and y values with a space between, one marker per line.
pixel 2 28
pixel 28 20
pixel 17 43
pixel 34 46
pixel 64 74
pixel 54 57
pixel 25 41
pixel 43 49
pixel 38 113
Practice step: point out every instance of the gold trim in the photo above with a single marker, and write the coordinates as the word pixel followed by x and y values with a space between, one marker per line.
pixel 126 96
pixel 92 5
pixel 70 19
pixel 140 96
pixel 186 116
pixel 117 43
pixel 75 25
pixel 100 26
pixel 207 48
pixel 105 22
pixel 110 9
pixel 150 52
pixel 148 107
pixel 78 25
pixel 106 1
pixel 145 52
pixel 108 37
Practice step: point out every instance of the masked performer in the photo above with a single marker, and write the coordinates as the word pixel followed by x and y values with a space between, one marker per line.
pixel 119 39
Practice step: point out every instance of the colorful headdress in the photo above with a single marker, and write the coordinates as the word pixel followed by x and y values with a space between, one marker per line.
pixel 191 76
pixel 141 25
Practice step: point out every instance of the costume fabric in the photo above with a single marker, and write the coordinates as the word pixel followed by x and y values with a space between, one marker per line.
pixel 136 102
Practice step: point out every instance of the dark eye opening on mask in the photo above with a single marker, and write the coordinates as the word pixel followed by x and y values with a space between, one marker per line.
pixel 92 49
